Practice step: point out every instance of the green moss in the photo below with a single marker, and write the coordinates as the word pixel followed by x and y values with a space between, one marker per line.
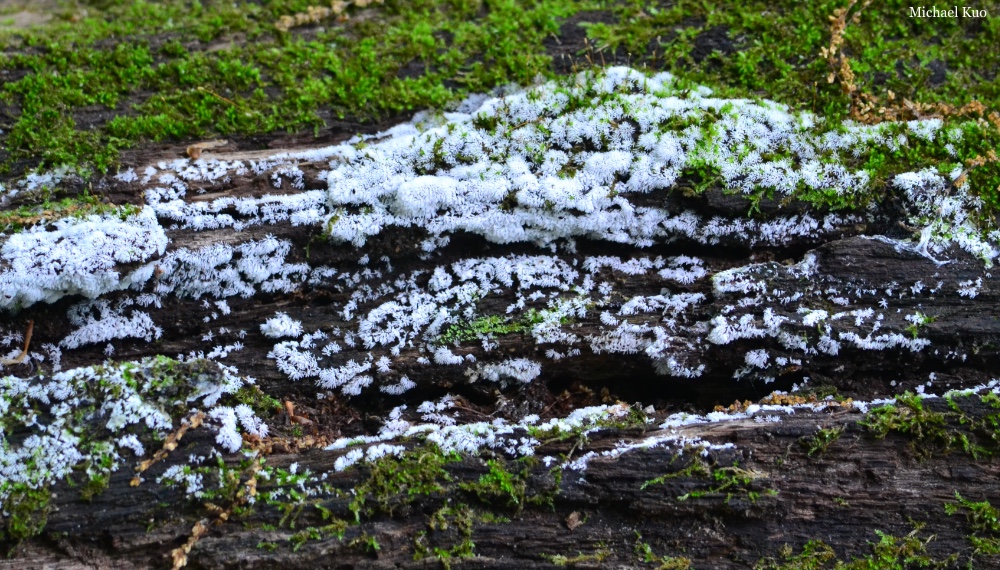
pixel 771 49
pixel 488 326
pixel 815 555
pixel 645 553
pixel 984 520
pixel 491 326
pixel 889 553
pixel 580 558
pixel 397 481
pixel 366 543
pixel 263 404
pixel 48 210
pixel 447 520
pixel 499 487
pixel 155 71
pixel 335 529
pixel 922 320
pixel 94 486
pixel 26 512
pixel 821 441
pixel 908 416
pixel 976 433
pixel 729 482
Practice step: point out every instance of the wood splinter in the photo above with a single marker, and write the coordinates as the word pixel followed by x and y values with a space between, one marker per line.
pixel 301 420
pixel 24 351
pixel 194 151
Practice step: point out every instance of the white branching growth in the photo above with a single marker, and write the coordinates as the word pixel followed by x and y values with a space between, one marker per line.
pixel 518 369
pixel 281 325
pixel 78 257
pixel 108 323
pixel 83 420
pixel 562 160
pixel 516 440
pixel 577 159
pixel 945 216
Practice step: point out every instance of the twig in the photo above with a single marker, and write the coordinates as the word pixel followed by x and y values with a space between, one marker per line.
pixel 244 493
pixel 179 554
pixel 210 92
pixel 24 351
pixel 169 445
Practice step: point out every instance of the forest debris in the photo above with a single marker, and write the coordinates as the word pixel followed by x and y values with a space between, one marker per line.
pixel 839 62
pixel 24 351
pixel 169 445
pixel 301 420
pixel 780 399
pixel 247 491
pixel 868 108
pixel 180 553
pixel 315 14
pixel 312 15
pixel 736 407
pixel 194 151
pixel 574 520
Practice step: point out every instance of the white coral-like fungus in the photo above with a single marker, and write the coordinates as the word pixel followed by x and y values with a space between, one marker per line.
pixel 281 325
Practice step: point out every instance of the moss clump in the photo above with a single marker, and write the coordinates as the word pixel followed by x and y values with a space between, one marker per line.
pixel 499 487
pixel 261 403
pixel 984 520
pixel 889 553
pixel 335 529
pixel 821 441
pixel 730 482
pixel 393 482
pixel 87 85
pixel 454 522
pixel 773 49
pixel 489 326
pixel 908 416
pixel 645 553
pixel 975 431
pixel 580 558
pixel 25 512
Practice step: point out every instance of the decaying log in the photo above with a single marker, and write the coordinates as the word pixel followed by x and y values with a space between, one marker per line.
pixel 774 350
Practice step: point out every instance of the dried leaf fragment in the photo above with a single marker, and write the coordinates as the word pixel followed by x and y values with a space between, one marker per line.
pixel 180 553
pixel 194 151
pixel 574 520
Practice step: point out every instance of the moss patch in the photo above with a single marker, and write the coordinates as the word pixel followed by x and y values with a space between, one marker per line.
pixel 714 481
pixel 772 49
pixel 969 424
pixel 889 553
pixel 89 84
pixel 984 521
